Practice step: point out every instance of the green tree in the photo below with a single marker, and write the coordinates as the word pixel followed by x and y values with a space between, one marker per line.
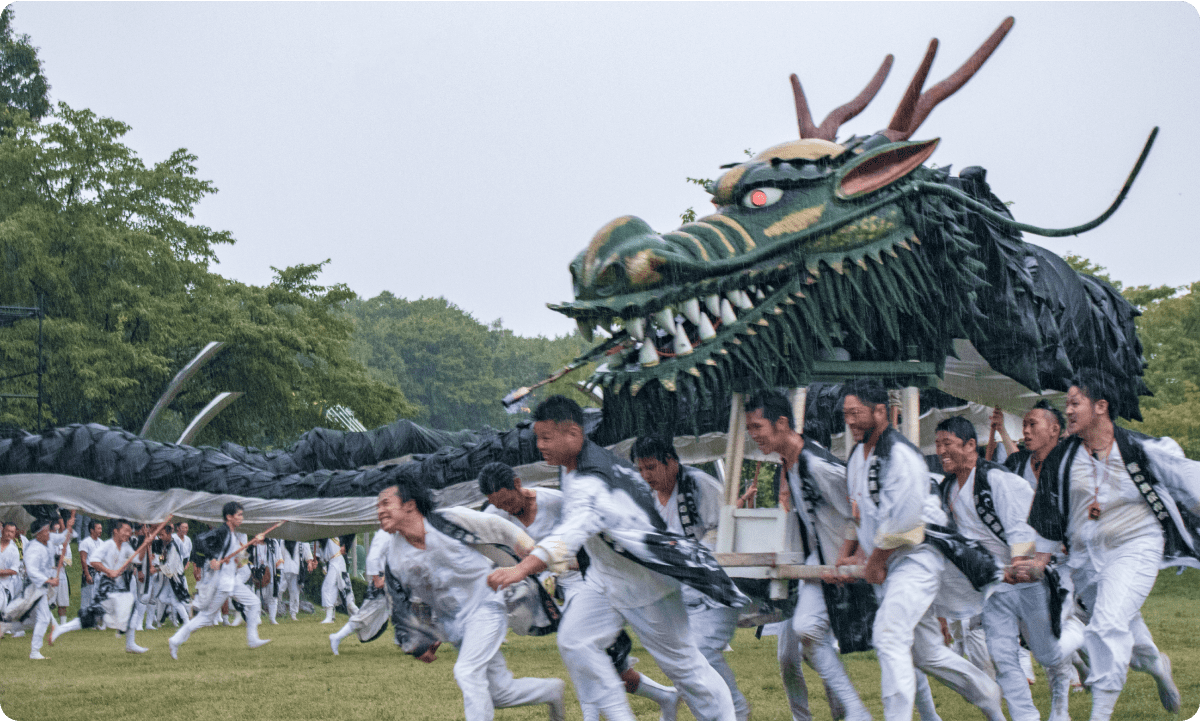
pixel 23 87
pixel 130 297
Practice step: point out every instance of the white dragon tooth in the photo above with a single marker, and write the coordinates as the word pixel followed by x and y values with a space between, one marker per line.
pixel 648 356
pixel 636 328
pixel 683 346
pixel 691 309
pixel 727 315
pixel 758 295
pixel 584 330
pixel 713 303
pixel 665 319
pixel 752 288
pixel 741 300
pixel 706 328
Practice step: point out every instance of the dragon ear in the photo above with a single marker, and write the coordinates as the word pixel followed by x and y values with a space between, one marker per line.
pixel 881 167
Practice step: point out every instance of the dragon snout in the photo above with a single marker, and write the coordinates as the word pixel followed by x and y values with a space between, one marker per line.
pixel 626 255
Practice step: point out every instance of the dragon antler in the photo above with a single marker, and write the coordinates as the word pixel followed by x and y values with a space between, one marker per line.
pixel 914 107
pixel 829 126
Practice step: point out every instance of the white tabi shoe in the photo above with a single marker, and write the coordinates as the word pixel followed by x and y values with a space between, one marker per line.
pixel 174 649
pixel 1168 692
pixel 258 642
pixel 334 642
pixel 134 648
pixel 37 656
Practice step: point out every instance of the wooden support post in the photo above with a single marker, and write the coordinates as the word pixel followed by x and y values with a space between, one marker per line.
pixel 735 441
pixel 735 448
pixel 911 413
pixel 799 403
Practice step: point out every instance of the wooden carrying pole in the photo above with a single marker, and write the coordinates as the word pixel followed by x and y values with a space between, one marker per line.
pixel 249 543
pixel 735 442
pixel 145 544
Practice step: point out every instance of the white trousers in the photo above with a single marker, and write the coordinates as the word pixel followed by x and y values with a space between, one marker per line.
pixel 41 621
pixel 291 584
pixel 482 674
pixel 208 616
pixel 87 591
pixel 970 640
pixel 61 595
pixel 590 624
pixel 712 629
pixel 1004 614
pixel 1116 636
pixel 906 633
pixel 808 637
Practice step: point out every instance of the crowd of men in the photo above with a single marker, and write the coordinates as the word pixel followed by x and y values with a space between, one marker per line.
pixel 1051 553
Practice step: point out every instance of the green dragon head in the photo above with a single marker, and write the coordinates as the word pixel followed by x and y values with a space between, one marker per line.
pixel 820 250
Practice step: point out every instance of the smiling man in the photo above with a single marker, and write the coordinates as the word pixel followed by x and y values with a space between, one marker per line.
pixel 113 603
pixel 436 556
pixel 632 571
pixel 1124 505
pixel 990 504
pixel 893 503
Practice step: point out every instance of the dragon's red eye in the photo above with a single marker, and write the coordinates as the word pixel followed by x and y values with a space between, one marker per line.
pixel 758 198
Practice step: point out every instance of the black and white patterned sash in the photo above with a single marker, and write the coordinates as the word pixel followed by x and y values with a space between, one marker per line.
pixel 985 506
pixel 689 514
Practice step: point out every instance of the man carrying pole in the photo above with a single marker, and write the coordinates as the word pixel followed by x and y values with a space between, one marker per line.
pixel 892 502
pixel 633 570
pixel 817 485
pixel 114 601
pixel 1124 505
pixel 217 550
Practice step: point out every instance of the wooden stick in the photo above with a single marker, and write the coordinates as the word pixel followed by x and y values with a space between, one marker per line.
pixel 145 544
pixel 249 543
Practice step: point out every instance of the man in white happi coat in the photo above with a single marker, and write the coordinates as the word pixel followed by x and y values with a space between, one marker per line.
pixel 87 549
pixel 689 501
pixel 112 605
pixel 817 487
pixel 10 570
pixel 450 576
pixel 336 586
pixel 42 577
pixel 371 617
pixel 893 502
pixel 220 583
pixel 609 507
pixel 539 511
pixel 1124 505
pixel 990 504
pixel 294 554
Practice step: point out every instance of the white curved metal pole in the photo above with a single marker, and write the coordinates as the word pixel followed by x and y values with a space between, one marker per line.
pixel 215 406
pixel 176 384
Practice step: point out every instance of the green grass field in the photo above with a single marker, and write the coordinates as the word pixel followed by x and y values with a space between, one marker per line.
pixel 296 678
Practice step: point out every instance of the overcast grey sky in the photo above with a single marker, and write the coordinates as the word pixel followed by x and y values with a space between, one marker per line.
pixel 471 150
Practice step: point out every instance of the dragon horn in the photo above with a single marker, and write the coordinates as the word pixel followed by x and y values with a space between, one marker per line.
pixel 902 119
pixel 930 98
pixel 831 123
pixel 803 116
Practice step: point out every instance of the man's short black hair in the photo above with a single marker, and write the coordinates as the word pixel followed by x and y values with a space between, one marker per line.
pixel 117 523
pixel 496 476
pixel 8 523
pixel 1049 407
pixel 960 427
pixel 558 409
pixel 657 447
pixel 869 391
pixel 1098 385
pixel 93 523
pixel 231 509
pixel 773 405
pixel 37 525
pixel 411 490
